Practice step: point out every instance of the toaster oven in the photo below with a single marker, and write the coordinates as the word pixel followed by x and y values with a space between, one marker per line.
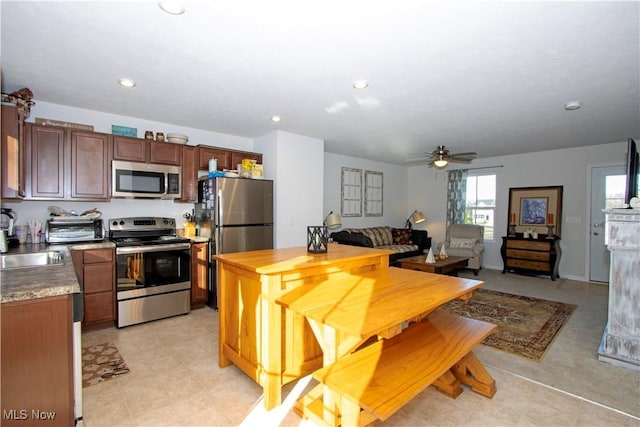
pixel 74 229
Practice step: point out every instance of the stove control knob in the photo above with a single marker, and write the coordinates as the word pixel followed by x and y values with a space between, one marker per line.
pixel 121 222
pixel 115 223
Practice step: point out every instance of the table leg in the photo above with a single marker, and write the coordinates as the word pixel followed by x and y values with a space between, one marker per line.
pixel 470 371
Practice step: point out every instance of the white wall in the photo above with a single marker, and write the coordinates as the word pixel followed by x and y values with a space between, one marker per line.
pixel 298 177
pixel 568 167
pixel 395 208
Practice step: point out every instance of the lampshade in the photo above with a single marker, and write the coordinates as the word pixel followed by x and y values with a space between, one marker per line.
pixel 333 221
pixel 417 217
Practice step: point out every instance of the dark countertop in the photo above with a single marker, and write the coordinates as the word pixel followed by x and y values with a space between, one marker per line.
pixel 21 284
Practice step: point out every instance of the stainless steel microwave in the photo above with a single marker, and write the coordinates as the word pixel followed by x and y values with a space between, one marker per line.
pixel 145 180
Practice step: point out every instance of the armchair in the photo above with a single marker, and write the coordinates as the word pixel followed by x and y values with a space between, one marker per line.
pixel 465 240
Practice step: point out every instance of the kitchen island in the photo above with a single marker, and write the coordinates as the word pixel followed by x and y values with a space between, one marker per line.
pixel 270 344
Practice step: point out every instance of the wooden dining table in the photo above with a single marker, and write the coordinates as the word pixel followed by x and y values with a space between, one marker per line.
pixel 348 312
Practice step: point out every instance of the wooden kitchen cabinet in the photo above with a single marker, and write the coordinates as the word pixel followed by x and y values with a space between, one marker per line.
pixel 531 256
pixel 130 149
pixel 206 153
pixel 238 156
pixel 89 166
pixel 199 274
pixel 165 153
pixel 95 270
pixel 189 174
pixel 12 153
pixel 37 361
pixel 67 165
pixel 45 153
pixel 146 151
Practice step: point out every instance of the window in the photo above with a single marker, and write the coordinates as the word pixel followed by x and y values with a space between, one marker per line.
pixel 481 203
pixel 614 191
pixel 351 192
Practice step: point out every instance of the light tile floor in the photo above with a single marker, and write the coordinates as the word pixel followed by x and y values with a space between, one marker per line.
pixel 175 379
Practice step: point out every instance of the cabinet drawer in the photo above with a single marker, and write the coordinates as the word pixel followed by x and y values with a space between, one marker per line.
pixel 97 255
pixel 98 278
pixel 534 245
pixel 99 307
pixel 531 255
pixel 530 265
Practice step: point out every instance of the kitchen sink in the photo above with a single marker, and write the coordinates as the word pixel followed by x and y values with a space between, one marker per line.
pixel 35 259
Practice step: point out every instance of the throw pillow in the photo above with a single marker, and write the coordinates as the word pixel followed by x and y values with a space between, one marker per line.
pixel 456 242
pixel 401 236
pixel 378 235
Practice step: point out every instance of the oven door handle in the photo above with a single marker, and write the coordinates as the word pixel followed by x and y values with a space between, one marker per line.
pixel 153 248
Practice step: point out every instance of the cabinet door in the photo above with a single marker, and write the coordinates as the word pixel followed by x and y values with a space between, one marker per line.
pixel 165 153
pixel 12 153
pixel 89 166
pixel 46 148
pixel 99 307
pixel 199 271
pixel 238 156
pixel 130 149
pixel 189 174
pixel 98 278
pixel 222 156
pixel 37 359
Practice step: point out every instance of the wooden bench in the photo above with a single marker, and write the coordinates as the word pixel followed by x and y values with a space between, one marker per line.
pixel 376 381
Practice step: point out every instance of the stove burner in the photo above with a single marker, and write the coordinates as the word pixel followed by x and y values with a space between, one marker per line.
pixel 157 240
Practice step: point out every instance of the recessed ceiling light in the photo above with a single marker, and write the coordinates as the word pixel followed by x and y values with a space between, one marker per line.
pixel 572 105
pixel 275 119
pixel 174 7
pixel 360 84
pixel 126 82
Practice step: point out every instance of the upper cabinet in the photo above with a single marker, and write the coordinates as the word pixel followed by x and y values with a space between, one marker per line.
pixel 89 165
pixel 145 151
pixel 238 156
pixel 12 153
pixel 189 174
pixel 206 153
pixel 66 164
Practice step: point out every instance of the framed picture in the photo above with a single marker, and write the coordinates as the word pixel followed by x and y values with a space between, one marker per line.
pixel 124 131
pixel 534 208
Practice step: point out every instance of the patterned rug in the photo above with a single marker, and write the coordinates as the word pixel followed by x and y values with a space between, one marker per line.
pixel 101 363
pixel 526 326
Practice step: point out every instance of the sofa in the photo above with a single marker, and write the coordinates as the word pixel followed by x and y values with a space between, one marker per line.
pixel 403 242
pixel 465 240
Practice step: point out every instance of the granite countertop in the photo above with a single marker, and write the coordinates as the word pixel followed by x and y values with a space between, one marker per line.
pixel 21 284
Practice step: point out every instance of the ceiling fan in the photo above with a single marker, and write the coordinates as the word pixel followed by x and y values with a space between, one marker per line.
pixel 441 156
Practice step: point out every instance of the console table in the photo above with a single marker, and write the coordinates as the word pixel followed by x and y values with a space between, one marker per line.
pixel 539 256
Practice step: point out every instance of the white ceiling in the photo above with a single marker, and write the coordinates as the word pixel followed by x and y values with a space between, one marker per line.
pixel 490 77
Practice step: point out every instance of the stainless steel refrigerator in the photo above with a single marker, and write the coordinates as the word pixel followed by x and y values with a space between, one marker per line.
pixel 237 214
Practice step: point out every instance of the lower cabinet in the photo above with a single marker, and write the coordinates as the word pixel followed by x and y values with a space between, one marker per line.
pixel 37 362
pixel 95 270
pixel 531 256
pixel 199 272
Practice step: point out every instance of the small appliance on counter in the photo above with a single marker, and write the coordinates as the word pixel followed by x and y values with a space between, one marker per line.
pixel 8 220
pixel 73 229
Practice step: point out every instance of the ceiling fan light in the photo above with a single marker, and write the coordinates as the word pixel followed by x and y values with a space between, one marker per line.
pixel 440 163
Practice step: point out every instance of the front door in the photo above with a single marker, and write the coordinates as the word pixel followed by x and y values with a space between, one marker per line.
pixel 607 191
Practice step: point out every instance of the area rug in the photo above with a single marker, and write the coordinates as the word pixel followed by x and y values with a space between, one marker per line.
pixel 101 363
pixel 526 326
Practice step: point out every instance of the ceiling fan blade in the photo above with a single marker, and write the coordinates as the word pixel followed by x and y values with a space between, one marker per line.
pixel 459 160
pixel 469 154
